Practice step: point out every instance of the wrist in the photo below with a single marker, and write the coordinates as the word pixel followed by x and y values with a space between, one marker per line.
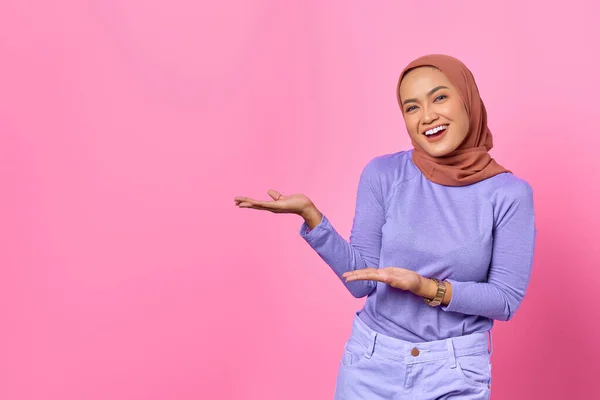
pixel 428 288
pixel 312 216
pixel 440 295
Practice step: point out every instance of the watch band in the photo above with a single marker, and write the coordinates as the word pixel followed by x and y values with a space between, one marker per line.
pixel 439 296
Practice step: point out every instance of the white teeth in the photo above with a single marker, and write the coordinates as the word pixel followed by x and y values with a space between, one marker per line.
pixel 435 130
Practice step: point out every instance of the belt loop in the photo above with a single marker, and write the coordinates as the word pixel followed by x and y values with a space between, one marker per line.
pixel 451 353
pixel 369 351
pixel 491 343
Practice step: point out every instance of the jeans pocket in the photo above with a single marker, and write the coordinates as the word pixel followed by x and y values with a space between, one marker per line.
pixel 475 369
pixel 353 352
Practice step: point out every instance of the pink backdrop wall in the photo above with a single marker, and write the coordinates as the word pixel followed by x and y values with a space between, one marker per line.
pixel 127 127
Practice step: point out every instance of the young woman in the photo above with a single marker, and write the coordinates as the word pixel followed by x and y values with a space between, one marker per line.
pixel 442 245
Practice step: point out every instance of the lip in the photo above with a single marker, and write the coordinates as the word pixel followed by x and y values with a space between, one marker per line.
pixel 437 138
pixel 433 127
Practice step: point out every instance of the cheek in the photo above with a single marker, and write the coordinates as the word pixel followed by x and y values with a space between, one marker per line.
pixel 454 110
pixel 464 123
pixel 460 119
pixel 412 125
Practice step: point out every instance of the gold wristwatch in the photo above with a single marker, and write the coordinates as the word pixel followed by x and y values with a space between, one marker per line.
pixel 439 296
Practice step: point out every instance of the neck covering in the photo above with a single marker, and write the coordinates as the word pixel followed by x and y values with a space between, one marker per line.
pixel 470 162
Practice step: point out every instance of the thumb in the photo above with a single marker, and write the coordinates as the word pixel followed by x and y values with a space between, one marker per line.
pixel 275 195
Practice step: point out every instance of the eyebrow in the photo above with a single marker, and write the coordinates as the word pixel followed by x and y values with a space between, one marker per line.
pixel 432 91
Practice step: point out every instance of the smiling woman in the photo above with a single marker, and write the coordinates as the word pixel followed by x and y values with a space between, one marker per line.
pixel 429 114
pixel 446 120
pixel 442 245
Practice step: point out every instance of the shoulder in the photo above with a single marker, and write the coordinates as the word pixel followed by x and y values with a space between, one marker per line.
pixel 512 198
pixel 510 188
pixel 392 167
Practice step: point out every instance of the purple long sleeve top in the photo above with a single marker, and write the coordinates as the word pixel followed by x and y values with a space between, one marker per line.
pixel 479 237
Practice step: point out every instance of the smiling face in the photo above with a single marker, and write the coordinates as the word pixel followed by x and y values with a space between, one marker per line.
pixel 434 113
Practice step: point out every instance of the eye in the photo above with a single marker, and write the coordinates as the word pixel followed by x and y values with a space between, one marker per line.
pixel 441 97
pixel 409 109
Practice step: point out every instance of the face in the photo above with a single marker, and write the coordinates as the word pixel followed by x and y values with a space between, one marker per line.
pixel 435 116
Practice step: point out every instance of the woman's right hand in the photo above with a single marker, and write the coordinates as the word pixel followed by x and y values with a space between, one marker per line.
pixel 293 204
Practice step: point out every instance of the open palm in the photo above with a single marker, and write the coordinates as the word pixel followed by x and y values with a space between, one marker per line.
pixel 400 278
pixel 292 204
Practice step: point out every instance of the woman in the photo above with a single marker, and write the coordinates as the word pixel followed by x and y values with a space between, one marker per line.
pixel 442 245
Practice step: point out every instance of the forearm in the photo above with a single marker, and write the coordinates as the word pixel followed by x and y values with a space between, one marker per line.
pixel 488 299
pixel 476 298
pixel 340 255
pixel 363 248
pixel 312 216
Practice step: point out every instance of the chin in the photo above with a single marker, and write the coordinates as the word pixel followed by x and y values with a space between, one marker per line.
pixel 438 150
pixel 444 145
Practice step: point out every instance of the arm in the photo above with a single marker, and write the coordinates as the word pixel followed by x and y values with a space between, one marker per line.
pixel 510 269
pixel 363 249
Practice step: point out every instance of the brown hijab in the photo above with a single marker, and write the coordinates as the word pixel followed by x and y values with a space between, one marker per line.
pixel 470 162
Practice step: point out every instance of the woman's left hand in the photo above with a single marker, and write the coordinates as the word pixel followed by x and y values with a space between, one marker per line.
pixel 400 278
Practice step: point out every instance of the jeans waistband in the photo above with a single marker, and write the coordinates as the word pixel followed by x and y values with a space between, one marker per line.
pixel 417 352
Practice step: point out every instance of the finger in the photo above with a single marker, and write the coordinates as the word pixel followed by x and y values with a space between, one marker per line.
pixel 255 207
pixel 275 195
pixel 264 205
pixel 242 199
pixel 268 205
pixel 247 202
pixel 358 271
pixel 365 274
pixel 381 275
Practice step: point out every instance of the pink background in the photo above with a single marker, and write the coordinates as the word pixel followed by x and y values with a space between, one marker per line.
pixel 127 127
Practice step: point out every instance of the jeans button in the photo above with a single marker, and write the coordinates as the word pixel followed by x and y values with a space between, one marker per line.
pixel 414 352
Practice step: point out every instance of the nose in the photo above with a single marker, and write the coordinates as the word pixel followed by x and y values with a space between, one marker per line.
pixel 429 115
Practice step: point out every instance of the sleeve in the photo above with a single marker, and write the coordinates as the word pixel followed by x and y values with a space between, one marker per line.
pixel 364 246
pixel 512 259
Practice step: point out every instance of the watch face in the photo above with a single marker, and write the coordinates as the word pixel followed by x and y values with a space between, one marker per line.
pixel 433 303
pixel 439 296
